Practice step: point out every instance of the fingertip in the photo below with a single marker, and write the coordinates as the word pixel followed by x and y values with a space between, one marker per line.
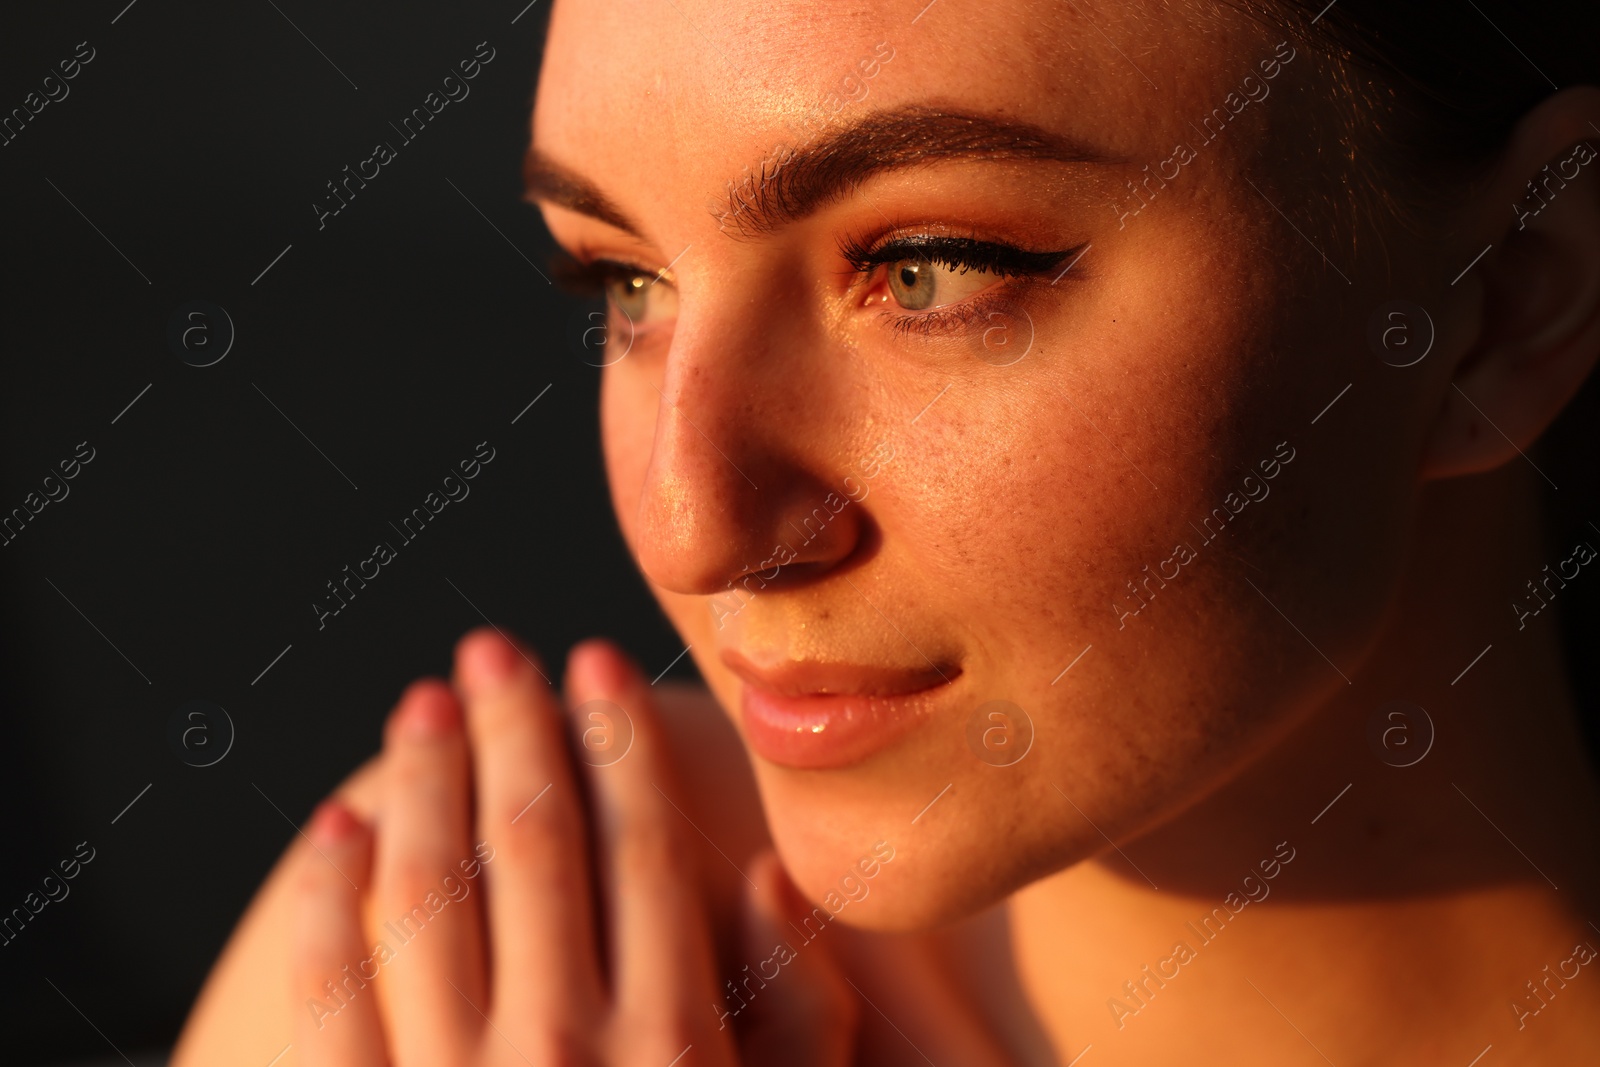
pixel 487 660
pixel 333 824
pixel 428 708
pixel 597 667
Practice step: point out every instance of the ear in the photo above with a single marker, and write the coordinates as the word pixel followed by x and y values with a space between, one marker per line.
pixel 1539 290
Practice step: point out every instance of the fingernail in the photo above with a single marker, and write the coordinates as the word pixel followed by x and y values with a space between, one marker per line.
pixel 427 715
pixel 607 668
pixel 332 823
pixel 489 661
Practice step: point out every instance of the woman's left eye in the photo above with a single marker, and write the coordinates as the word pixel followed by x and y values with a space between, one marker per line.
pixel 920 284
pixel 929 273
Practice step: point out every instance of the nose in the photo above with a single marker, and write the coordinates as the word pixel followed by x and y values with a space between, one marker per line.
pixel 744 474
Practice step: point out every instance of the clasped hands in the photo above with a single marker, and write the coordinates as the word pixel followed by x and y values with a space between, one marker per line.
pixel 510 904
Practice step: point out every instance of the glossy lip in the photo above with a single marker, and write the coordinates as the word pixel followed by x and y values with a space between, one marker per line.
pixel 812 715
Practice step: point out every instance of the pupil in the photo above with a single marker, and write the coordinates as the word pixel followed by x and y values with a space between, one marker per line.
pixel 908 276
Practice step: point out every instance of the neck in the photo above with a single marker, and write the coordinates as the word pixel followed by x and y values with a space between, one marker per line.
pixel 1421 900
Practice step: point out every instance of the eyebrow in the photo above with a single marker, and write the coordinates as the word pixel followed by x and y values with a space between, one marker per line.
pixel 545 179
pixel 792 183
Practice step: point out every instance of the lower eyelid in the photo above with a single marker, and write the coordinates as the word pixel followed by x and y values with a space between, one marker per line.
pixel 947 318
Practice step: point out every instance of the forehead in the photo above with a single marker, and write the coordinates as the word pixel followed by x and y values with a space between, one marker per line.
pixel 663 102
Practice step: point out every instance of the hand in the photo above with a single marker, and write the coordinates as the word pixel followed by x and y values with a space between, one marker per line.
pixel 471 925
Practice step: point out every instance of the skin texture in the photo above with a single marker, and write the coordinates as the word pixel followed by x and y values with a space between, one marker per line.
pixel 1012 499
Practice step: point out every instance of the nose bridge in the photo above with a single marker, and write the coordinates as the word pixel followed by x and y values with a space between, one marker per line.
pixel 734 459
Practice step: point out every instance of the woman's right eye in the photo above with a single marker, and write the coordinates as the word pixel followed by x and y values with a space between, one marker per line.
pixel 641 296
pixel 633 293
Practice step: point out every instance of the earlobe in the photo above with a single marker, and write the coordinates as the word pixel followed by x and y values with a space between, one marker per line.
pixel 1539 293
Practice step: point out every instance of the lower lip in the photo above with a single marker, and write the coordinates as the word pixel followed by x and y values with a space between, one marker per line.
pixel 825 730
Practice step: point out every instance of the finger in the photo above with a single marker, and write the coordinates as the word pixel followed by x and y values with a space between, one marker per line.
pixel 428 912
pixel 799 1010
pixel 661 942
pixel 336 1019
pixel 531 820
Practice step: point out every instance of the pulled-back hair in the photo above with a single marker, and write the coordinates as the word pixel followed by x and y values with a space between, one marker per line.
pixel 1443 85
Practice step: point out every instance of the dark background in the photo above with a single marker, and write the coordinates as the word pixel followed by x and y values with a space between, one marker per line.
pixel 396 338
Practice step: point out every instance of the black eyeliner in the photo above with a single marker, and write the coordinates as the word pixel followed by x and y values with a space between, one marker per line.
pixel 958 253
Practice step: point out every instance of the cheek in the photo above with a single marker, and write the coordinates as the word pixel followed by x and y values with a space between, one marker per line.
pixel 1036 514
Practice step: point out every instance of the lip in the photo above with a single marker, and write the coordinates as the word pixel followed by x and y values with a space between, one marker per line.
pixel 812 715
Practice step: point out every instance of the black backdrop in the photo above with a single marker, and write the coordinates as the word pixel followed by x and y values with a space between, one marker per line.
pixel 374 355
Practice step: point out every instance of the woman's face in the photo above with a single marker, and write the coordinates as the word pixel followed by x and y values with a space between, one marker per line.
pixel 1015 321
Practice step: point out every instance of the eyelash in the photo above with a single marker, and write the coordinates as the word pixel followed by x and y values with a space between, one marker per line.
pixel 591 279
pixel 960 254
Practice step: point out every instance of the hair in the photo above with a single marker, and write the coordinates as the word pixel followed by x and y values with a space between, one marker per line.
pixel 1458 83
pixel 1442 86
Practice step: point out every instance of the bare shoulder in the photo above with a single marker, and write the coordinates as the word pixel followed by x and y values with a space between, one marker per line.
pixel 244 1009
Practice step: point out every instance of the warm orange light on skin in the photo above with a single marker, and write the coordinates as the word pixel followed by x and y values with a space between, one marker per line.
pixel 1192 341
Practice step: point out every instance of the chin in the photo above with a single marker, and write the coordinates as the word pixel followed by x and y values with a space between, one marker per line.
pixel 862 861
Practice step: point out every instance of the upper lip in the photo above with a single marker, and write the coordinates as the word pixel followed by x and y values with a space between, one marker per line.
pixel 813 677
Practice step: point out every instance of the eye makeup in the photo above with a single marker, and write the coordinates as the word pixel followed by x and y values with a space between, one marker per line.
pixel 927 277
pixel 958 253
